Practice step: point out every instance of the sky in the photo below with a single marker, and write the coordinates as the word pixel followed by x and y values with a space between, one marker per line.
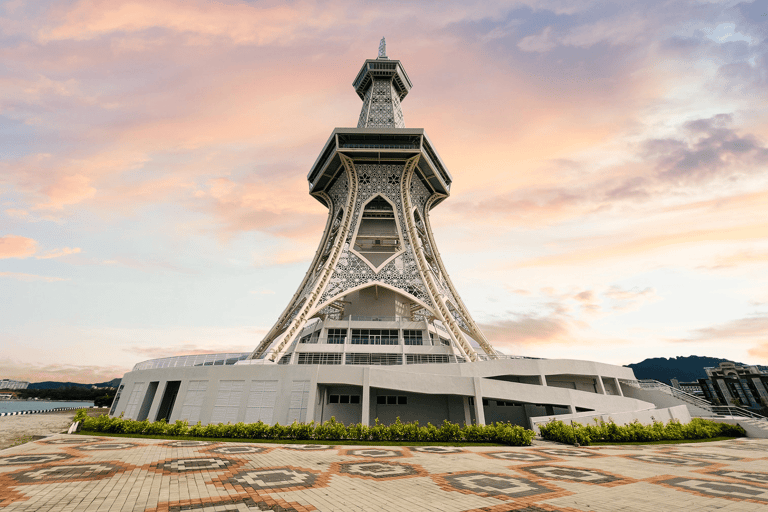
pixel 610 164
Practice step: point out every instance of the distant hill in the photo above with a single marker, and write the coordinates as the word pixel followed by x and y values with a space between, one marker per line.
pixel 685 369
pixel 56 385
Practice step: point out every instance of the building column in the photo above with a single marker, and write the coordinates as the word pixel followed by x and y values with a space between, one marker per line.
pixel 366 419
pixel 543 379
pixel 600 385
pixel 618 386
pixel 467 411
pixel 312 398
pixel 479 412
pixel 571 408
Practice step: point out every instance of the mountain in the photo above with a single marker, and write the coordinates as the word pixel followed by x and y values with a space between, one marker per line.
pixel 684 368
pixel 56 385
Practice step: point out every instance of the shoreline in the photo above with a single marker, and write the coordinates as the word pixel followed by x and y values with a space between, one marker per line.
pixel 21 428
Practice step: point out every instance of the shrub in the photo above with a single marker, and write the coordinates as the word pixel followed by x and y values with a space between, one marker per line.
pixel 332 430
pixel 609 432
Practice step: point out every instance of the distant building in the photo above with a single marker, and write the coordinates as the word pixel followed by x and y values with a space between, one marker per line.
pixel 694 388
pixel 13 384
pixel 730 382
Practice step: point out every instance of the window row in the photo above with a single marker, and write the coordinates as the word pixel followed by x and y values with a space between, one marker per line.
pixel 391 400
pixel 343 399
pixel 374 337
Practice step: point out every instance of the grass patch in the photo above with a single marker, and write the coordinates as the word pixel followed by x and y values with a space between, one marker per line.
pixel 671 441
pixel 286 441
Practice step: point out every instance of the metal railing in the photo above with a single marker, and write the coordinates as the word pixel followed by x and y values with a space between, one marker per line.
pixel 193 360
pixel 730 410
pixel 715 410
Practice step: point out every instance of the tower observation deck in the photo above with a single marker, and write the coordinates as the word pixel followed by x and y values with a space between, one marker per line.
pixel 377 291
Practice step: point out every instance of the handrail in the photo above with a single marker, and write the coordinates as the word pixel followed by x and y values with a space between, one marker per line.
pixel 716 410
pixel 677 393
pixel 732 410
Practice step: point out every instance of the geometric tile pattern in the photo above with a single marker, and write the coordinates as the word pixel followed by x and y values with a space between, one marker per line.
pixel 66 473
pixel 520 456
pixel 668 460
pixel 436 449
pixel 192 464
pixel 273 478
pixel 728 490
pixel 105 446
pixel 36 458
pixel 489 484
pixel 375 453
pixel 234 449
pixel 748 476
pixel 572 474
pixel 378 469
pixel 70 473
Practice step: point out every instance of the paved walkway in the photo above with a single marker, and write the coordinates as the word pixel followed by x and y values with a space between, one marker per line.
pixel 68 473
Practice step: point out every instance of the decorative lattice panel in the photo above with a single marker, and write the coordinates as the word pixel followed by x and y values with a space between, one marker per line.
pixel 381 107
pixel 351 271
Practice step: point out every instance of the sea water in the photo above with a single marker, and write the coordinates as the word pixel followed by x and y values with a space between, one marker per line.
pixel 38 405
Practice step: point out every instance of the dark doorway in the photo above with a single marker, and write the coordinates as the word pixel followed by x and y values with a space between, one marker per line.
pixel 169 398
pixel 147 403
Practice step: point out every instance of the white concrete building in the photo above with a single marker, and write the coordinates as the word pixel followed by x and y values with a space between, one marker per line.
pixel 376 329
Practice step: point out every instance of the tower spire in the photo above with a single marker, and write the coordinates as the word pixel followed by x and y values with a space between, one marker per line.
pixel 383 48
pixel 382 84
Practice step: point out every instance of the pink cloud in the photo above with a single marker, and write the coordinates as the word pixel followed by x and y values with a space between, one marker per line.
pixel 83 374
pixel 13 246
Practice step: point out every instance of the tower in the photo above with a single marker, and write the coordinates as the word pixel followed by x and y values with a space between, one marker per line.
pixel 377 291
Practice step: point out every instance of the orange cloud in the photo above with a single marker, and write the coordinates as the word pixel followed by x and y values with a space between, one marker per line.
pixel 760 351
pixel 67 190
pixel 57 253
pixel 647 244
pixel 184 350
pixel 12 246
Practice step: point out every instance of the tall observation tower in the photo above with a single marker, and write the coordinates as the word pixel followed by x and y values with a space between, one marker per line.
pixel 376 330
pixel 377 280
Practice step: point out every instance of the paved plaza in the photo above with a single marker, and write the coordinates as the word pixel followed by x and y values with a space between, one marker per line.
pixel 81 473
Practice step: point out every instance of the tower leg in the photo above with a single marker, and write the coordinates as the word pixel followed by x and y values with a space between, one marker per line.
pixel 366 419
pixel 479 412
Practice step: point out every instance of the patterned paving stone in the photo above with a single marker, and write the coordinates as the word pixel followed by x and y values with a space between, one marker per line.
pixel 572 474
pixel 188 444
pixel 33 458
pixel 570 452
pixel 490 484
pixel 375 453
pixel 668 460
pixel 192 464
pixel 70 440
pixel 308 447
pixel 733 491
pixel 705 456
pixel 749 476
pixel 106 446
pixel 436 449
pixel 273 478
pixel 521 456
pixel 238 449
pixel 64 473
pixel 57 474
pixel 378 469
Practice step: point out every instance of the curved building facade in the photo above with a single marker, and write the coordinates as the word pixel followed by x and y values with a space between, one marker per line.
pixel 376 329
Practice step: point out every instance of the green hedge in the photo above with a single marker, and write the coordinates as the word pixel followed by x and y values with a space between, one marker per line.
pixel 603 432
pixel 331 430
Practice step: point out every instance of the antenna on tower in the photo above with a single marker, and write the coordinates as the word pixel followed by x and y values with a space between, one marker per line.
pixel 383 48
